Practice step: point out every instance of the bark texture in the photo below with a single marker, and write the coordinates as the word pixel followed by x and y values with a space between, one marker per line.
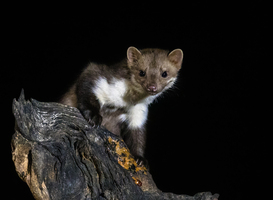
pixel 60 156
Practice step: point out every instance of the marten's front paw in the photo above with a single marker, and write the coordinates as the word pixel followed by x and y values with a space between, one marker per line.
pixel 142 161
pixel 93 119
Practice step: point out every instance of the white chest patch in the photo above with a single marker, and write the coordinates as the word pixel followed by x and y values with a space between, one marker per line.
pixel 137 115
pixel 110 93
pixel 113 94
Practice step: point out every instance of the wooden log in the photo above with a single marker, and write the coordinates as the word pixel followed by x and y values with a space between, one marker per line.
pixel 60 156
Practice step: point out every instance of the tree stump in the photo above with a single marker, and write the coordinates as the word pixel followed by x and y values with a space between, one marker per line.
pixel 60 156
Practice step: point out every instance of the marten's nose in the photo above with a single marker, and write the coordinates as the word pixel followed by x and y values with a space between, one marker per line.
pixel 151 88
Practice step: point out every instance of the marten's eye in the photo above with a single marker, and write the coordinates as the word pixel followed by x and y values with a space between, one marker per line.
pixel 164 74
pixel 142 73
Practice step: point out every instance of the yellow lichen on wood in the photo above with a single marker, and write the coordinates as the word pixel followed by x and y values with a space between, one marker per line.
pixel 124 157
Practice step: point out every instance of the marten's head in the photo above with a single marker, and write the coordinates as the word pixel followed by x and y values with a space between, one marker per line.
pixel 155 70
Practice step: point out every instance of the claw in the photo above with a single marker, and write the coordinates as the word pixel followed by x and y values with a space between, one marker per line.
pixel 141 161
pixel 95 122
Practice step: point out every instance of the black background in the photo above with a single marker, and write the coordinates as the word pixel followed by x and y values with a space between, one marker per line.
pixel 204 135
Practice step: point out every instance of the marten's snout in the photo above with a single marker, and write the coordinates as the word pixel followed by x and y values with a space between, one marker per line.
pixel 152 88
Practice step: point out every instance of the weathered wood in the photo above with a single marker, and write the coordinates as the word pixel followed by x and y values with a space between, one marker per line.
pixel 60 156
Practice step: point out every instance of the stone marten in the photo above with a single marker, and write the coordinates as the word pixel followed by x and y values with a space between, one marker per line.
pixel 117 96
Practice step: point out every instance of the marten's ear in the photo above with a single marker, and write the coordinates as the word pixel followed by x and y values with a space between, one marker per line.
pixel 133 54
pixel 176 57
